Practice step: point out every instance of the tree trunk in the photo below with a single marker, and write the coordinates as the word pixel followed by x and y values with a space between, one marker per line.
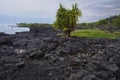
pixel 67 34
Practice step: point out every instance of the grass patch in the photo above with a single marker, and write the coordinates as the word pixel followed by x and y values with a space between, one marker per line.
pixel 117 33
pixel 94 33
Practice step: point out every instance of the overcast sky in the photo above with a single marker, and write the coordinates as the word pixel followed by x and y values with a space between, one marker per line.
pixel 45 10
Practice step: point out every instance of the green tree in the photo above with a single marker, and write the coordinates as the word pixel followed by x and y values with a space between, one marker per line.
pixel 67 19
pixel 116 21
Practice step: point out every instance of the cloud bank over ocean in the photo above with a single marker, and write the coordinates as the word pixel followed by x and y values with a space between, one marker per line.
pixel 14 11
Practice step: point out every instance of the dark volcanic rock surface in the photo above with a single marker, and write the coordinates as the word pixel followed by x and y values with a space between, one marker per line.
pixel 41 55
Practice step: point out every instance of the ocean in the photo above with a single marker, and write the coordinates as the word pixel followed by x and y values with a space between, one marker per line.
pixel 12 28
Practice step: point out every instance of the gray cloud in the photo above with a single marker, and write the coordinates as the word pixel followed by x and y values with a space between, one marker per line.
pixel 102 9
pixel 46 9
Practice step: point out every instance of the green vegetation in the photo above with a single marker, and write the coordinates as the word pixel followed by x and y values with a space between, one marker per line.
pixel 110 24
pixel 66 19
pixel 112 21
pixel 93 33
pixel 33 24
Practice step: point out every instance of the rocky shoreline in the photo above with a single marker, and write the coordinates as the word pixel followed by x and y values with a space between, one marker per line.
pixel 41 55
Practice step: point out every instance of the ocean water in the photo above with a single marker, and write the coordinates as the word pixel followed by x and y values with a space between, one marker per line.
pixel 12 28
